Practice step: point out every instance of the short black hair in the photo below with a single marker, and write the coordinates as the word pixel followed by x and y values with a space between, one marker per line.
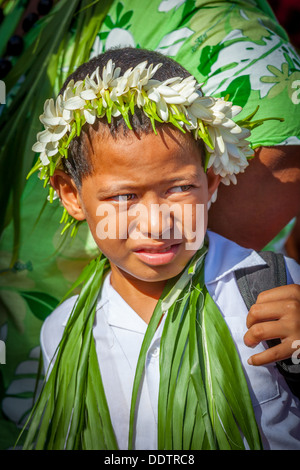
pixel 78 163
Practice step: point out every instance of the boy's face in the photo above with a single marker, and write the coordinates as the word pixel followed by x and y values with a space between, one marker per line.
pixel 145 203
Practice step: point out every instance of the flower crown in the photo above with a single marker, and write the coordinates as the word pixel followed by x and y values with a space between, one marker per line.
pixel 177 101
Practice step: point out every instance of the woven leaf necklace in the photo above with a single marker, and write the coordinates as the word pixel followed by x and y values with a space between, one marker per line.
pixel 203 402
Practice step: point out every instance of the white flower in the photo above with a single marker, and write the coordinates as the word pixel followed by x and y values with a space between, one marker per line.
pixel 55 115
pixel 162 91
pixel 121 87
pixel 165 93
pixel 92 88
pixel 230 149
pixel 44 159
pixel 72 100
pixel 189 89
pixel 134 79
pixel 228 159
pixel 145 74
pixel 56 121
pixel 201 108
pixel 110 74
pixel 95 88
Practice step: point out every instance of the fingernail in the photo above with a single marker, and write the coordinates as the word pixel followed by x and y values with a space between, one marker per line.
pixel 250 362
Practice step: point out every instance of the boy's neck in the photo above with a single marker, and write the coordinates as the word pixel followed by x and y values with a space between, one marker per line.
pixel 141 296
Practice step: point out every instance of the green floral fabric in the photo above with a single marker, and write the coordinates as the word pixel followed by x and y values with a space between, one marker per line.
pixel 234 48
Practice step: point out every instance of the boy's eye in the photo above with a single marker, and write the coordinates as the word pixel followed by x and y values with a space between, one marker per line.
pixel 123 197
pixel 180 189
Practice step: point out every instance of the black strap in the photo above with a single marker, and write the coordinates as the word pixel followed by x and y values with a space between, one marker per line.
pixel 256 279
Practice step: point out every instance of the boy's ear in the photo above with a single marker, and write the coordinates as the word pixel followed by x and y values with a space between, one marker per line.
pixel 68 193
pixel 213 182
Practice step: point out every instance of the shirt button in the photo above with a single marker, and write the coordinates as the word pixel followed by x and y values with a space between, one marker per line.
pixel 155 352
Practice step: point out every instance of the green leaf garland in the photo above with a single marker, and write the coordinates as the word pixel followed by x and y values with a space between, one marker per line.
pixel 204 401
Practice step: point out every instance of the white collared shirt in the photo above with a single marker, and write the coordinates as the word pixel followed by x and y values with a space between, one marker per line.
pixel 119 332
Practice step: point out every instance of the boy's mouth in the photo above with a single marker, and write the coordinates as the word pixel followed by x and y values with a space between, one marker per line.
pixel 157 255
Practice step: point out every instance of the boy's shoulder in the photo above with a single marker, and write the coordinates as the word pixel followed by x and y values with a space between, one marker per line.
pixel 225 257
pixel 53 327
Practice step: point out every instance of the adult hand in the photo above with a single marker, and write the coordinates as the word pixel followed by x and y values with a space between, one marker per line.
pixel 276 314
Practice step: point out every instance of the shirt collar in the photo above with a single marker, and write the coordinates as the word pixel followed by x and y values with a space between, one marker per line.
pixel 225 256
pixel 119 314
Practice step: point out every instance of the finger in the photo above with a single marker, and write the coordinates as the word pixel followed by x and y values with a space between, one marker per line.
pixel 265 312
pixel 273 311
pixel 290 291
pixel 264 331
pixel 277 353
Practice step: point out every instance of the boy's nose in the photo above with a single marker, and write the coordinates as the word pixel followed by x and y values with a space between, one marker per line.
pixel 160 221
pixel 154 219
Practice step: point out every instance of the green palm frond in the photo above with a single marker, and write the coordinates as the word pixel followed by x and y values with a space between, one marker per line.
pixel 203 402
pixel 72 404
pixel 13 11
pixel 36 76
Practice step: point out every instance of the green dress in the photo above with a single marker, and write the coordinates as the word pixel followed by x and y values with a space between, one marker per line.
pixel 232 48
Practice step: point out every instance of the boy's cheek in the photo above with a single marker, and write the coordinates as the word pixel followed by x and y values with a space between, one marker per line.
pixel 195 226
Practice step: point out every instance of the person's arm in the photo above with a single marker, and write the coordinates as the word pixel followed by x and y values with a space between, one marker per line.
pixel 292 245
pixel 265 199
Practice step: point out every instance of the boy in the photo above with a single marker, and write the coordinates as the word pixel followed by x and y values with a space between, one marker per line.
pixel 144 188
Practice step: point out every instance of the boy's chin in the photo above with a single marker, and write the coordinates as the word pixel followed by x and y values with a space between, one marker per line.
pixel 151 278
pixel 151 273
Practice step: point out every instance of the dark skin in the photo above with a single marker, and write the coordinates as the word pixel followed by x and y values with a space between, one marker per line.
pixel 276 314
